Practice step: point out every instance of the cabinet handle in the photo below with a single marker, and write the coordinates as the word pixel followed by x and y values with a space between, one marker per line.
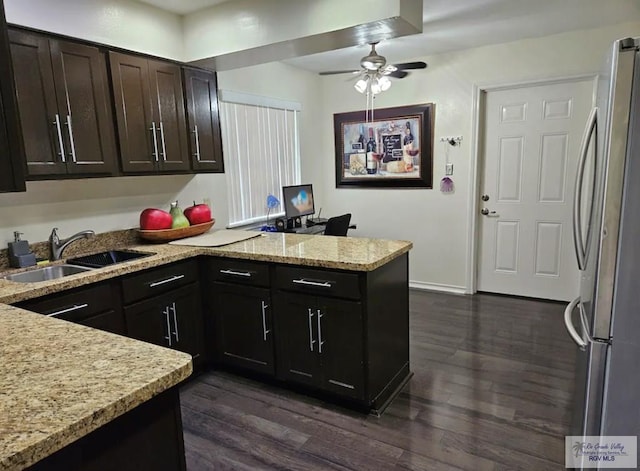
pixel 168 280
pixel 155 141
pixel 164 149
pixel 175 321
pixel 311 341
pixel 197 138
pixel 344 385
pixel 320 341
pixel 264 320
pixel 56 123
pixel 72 143
pixel 75 307
pixel 237 273
pixel 321 284
pixel 166 318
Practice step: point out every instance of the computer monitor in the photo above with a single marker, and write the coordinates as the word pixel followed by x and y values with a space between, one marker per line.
pixel 298 200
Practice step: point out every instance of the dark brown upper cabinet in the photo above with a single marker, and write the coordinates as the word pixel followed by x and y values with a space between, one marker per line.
pixel 11 147
pixel 150 114
pixel 203 119
pixel 65 107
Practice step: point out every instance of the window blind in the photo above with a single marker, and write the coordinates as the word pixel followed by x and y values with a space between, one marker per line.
pixel 261 153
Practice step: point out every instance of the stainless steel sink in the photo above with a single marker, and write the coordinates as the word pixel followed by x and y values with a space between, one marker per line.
pixel 47 273
pixel 110 257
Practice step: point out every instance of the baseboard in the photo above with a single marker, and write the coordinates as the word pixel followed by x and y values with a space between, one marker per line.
pixel 421 285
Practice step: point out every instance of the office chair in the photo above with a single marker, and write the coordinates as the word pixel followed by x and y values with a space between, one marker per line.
pixel 338 226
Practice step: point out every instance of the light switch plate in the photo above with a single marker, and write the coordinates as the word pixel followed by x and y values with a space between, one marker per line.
pixel 448 169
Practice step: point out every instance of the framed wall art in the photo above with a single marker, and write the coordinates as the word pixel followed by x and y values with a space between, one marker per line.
pixel 394 149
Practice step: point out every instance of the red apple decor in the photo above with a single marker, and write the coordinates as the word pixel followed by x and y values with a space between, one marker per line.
pixel 155 219
pixel 198 213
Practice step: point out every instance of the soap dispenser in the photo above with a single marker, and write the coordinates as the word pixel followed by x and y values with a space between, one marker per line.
pixel 20 254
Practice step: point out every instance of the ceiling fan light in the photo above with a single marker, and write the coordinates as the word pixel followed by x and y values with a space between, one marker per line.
pixel 375 86
pixel 384 83
pixel 361 85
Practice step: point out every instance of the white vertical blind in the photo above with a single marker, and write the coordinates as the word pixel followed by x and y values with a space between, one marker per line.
pixel 261 155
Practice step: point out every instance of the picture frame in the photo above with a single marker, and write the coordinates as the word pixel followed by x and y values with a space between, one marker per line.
pixel 392 150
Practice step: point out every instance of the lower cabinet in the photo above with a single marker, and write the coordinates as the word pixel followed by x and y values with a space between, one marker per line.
pixel 96 306
pixel 341 333
pixel 243 325
pixel 319 343
pixel 172 319
pixel 147 437
pixel 164 306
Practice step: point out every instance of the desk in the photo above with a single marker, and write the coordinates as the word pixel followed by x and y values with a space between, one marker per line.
pixel 315 229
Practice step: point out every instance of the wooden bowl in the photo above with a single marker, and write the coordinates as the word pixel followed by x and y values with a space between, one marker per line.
pixel 166 235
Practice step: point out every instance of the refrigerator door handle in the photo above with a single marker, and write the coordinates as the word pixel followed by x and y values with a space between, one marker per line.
pixel 583 322
pixel 578 239
pixel 577 338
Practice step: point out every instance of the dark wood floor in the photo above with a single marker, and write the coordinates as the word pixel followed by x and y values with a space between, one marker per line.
pixel 491 391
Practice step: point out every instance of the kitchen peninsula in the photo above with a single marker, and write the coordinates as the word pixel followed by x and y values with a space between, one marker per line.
pixel 60 381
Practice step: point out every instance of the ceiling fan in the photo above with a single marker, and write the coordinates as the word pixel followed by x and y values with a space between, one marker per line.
pixel 375 64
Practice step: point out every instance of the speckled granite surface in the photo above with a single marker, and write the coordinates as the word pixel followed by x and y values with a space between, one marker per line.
pixel 59 381
pixel 344 253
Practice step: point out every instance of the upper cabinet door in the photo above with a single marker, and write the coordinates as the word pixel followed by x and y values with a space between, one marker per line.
pixel 168 107
pixel 84 106
pixel 65 107
pixel 42 125
pixel 203 120
pixel 138 131
pixel 11 146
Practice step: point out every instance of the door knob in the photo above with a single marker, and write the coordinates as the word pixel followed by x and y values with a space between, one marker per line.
pixel 486 212
pixel 484 197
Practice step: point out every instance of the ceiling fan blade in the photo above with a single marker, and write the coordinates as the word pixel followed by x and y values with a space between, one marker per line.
pixel 334 72
pixel 397 74
pixel 411 65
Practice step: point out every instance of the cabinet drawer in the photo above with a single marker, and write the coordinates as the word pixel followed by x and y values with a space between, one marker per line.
pixel 238 271
pixel 158 280
pixel 75 305
pixel 322 282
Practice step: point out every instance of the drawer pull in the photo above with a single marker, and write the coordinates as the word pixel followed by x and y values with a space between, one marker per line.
pixel 344 385
pixel 321 284
pixel 75 307
pixel 237 273
pixel 168 280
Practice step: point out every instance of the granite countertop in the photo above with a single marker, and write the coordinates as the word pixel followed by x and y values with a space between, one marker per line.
pixel 60 381
pixel 342 253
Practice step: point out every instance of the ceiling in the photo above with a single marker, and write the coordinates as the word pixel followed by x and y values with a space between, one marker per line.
pixel 461 24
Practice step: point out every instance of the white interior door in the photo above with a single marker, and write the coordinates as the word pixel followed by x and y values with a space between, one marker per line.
pixel 531 144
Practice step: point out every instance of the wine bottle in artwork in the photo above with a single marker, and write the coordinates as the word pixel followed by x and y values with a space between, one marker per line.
pixel 372 162
pixel 361 138
pixel 408 136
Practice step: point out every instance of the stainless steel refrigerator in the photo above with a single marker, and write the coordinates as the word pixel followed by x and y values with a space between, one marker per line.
pixel 605 320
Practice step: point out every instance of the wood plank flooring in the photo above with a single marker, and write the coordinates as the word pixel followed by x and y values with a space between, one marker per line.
pixel 491 390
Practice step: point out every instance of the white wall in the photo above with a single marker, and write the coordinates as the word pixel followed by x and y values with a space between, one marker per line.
pixel 130 25
pixel 437 223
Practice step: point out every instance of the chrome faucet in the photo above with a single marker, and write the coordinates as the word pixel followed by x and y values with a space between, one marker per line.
pixel 58 246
